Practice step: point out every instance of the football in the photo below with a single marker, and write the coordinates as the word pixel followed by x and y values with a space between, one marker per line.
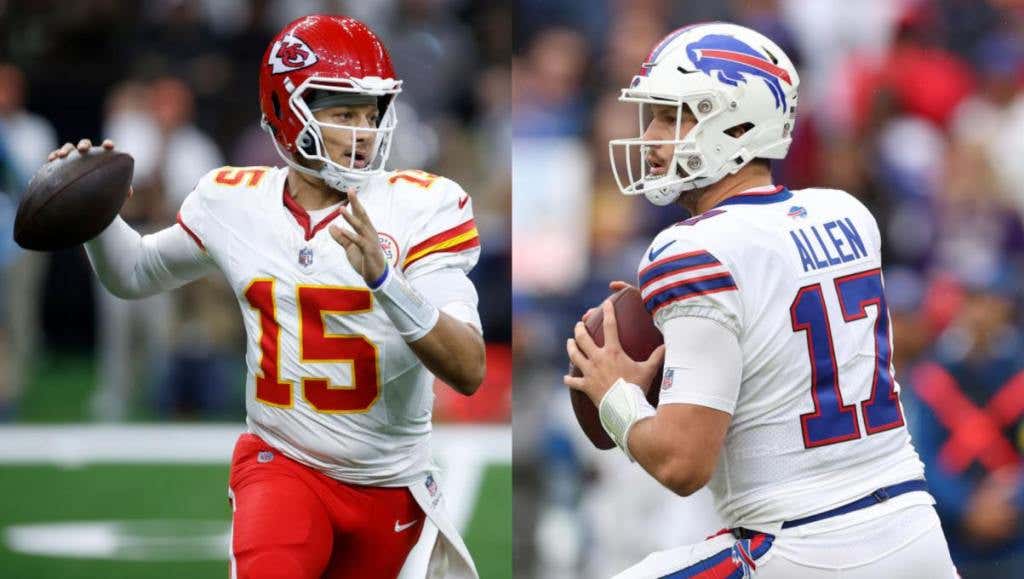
pixel 639 338
pixel 71 200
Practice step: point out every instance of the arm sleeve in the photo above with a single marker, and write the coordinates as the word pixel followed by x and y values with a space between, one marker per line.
pixel 446 238
pixel 450 291
pixel 703 364
pixel 132 266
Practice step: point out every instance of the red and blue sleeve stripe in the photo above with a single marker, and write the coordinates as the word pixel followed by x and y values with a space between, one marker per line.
pixel 728 563
pixel 676 264
pixel 691 288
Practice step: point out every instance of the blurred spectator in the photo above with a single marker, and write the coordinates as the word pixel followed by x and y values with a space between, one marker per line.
pixel 153 121
pixel 433 49
pixel 547 85
pixel 993 118
pixel 967 420
pixel 25 140
pixel 187 153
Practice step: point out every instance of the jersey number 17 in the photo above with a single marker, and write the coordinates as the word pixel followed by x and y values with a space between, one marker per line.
pixel 832 420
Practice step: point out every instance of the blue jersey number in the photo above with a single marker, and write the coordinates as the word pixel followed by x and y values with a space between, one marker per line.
pixel 833 421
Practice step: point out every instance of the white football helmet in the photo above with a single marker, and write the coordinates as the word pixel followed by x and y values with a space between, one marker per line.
pixel 728 76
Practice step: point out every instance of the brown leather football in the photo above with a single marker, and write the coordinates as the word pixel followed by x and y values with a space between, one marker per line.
pixel 639 338
pixel 72 200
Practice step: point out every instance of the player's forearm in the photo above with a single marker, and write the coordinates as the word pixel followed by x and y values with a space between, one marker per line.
pixel 679 445
pixel 448 342
pixel 672 457
pixel 133 266
pixel 454 351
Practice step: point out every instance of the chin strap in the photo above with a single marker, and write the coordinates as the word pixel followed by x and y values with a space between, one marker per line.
pixel 622 406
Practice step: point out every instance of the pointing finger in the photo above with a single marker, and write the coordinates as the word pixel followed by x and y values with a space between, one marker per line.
pixel 357 205
pixel 341 236
pixel 357 224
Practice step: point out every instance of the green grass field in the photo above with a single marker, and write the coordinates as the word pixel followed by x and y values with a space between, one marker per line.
pixel 79 502
pixel 32 494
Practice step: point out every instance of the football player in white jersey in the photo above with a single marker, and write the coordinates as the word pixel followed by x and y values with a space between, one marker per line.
pixel 778 389
pixel 346 318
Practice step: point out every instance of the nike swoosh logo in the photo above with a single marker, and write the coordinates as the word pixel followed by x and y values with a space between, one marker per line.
pixel 653 255
pixel 399 528
pixel 463 201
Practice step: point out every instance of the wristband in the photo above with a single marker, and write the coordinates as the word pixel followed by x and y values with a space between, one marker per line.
pixel 412 315
pixel 380 280
pixel 621 407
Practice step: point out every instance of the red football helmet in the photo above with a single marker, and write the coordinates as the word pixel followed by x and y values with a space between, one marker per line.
pixel 311 58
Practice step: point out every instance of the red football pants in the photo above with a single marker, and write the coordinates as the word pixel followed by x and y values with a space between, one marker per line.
pixel 293 522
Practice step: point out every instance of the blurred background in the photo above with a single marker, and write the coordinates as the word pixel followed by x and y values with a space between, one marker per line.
pixel 117 418
pixel 915 107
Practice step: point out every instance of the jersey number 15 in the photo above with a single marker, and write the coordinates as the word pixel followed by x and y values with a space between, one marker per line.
pixel 833 421
pixel 316 345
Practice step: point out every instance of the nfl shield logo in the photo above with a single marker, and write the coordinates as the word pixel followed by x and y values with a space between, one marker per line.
pixel 666 381
pixel 431 485
pixel 305 256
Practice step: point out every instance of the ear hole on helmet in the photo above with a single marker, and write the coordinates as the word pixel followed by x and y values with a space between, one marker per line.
pixel 307 143
pixel 276 102
pixel 738 131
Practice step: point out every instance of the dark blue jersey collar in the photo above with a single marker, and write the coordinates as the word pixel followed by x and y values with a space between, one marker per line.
pixel 776 195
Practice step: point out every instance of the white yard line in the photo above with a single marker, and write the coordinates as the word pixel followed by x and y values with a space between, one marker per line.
pixel 462 451
pixel 77 444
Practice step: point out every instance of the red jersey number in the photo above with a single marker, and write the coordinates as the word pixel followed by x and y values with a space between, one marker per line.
pixel 316 345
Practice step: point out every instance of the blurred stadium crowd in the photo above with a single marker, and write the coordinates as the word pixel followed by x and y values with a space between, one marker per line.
pixel 917 108
pixel 174 83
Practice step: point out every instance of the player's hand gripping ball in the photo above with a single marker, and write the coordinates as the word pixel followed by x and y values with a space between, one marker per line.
pixel 639 338
pixel 73 197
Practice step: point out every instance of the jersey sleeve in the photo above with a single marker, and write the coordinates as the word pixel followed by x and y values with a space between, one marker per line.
pixel 193 216
pixel 447 236
pixel 681 276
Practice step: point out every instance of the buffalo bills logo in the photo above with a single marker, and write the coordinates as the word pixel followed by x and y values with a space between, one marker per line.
pixel 290 53
pixel 729 60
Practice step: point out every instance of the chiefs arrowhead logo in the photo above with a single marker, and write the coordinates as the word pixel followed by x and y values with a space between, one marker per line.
pixel 290 54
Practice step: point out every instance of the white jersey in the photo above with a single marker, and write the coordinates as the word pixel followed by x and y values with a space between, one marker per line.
pixel 330 382
pixel 796 276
